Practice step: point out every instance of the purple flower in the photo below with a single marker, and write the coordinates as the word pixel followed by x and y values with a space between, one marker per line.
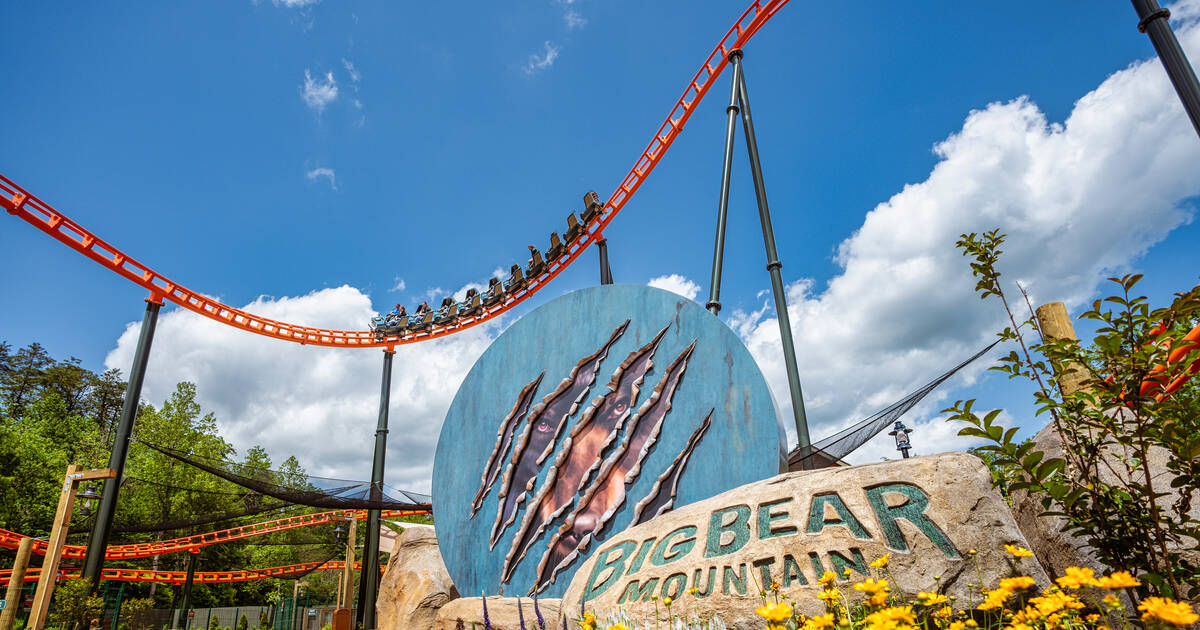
pixel 520 614
pixel 487 623
pixel 541 622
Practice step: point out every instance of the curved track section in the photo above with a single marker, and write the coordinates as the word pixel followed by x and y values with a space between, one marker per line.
pixel 10 540
pixel 201 577
pixel 19 202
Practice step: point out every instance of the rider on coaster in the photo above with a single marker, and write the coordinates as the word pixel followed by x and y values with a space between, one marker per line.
pixel 396 313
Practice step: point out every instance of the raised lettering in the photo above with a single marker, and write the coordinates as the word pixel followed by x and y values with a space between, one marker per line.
pixel 644 593
pixel 764 567
pixel 912 510
pixel 668 552
pixel 791 571
pixel 766 517
pixel 818 519
pixel 738 579
pixel 739 528
pixel 617 566
pixel 712 578
pixel 636 565
pixel 677 579
pixel 841 562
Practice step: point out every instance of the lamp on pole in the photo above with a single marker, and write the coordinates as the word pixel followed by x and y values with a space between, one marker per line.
pixel 900 432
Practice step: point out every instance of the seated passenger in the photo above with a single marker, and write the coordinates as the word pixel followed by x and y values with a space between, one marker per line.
pixel 395 313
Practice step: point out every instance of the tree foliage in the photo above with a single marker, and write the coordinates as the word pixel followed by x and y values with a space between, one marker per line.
pixel 1128 473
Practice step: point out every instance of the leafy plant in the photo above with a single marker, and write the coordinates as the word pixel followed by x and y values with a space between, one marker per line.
pixel 74 605
pixel 1118 428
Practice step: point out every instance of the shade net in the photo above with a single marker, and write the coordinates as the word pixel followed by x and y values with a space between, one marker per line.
pixel 830 451
pixel 301 489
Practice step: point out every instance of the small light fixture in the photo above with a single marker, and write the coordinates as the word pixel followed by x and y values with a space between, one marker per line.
pixel 338 531
pixel 88 495
pixel 900 432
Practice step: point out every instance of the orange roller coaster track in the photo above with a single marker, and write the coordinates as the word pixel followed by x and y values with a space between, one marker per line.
pixel 201 577
pixel 10 540
pixel 21 203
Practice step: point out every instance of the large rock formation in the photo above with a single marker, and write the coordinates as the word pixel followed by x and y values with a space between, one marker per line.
pixel 928 512
pixel 502 611
pixel 415 584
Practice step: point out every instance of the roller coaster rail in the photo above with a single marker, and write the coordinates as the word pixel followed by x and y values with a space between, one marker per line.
pixel 10 540
pixel 201 577
pixel 23 204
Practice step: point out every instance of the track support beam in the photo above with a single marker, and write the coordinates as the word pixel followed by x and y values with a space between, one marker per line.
pixel 368 587
pixel 714 290
pixel 1153 22
pixel 93 562
pixel 605 270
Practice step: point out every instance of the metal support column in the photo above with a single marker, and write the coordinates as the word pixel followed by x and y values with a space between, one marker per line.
pixel 1153 22
pixel 773 264
pixel 369 585
pixel 605 270
pixel 93 562
pixel 187 589
pixel 714 290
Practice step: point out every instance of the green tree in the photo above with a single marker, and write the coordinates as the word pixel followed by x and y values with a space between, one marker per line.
pixel 24 378
pixel 1105 485
pixel 74 605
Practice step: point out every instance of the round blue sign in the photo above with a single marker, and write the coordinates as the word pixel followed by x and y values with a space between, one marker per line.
pixel 595 412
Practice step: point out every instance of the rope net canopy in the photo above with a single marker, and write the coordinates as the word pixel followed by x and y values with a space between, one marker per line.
pixel 303 489
pixel 830 451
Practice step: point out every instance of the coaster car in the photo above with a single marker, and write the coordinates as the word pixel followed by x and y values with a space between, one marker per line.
pixel 389 325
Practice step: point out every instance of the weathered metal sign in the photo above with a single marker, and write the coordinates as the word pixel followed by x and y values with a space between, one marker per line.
pixel 597 411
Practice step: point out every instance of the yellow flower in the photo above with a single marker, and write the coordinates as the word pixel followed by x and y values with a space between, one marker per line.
pixel 1053 602
pixel 957 625
pixel 1018 552
pixel 589 618
pixel 894 618
pixel 995 599
pixel 881 561
pixel 1167 610
pixel 828 595
pixel 972 553
pixel 878 599
pixel 1019 626
pixel 775 585
pixel 693 590
pixel 1120 579
pixel 667 601
pixel 931 599
pixel 773 626
pixel 945 612
pixel 847 571
pixel 820 622
pixel 1112 602
pixel 618 626
pixel 1092 618
pixel 826 578
pixel 1017 583
pixel 870 586
pixel 775 612
pixel 1078 577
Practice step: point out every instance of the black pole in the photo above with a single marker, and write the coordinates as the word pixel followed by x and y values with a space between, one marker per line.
pixel 1153 22
pixel 369 587
pixel 93 562
pixel 605 270
pixel 187 589
pixel 773 264
pixel 714 288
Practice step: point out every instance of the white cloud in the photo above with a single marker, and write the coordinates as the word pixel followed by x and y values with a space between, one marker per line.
pixel 1079 200
pixel 541 62
pixel 676 283
pixel 293 399
pixel 322 173
pixel 399 286
pixel 317 93
pixel 295 4
pixel 355 76
pixel 573 19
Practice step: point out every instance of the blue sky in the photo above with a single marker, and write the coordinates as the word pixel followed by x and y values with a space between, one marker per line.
pixel 309 158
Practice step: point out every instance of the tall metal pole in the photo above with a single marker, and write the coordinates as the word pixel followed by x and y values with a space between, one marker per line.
pixel 1153 22
pixel 773 264
pixel 369 587
pixel 714 287
pixel 605 270
pixel 187 589
pixel 93 562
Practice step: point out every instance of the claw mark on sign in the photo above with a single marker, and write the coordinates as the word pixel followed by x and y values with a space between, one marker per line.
pixel 606 495
pixel 662 496
pixel 544 423
pixel 580 452
pixel 503 440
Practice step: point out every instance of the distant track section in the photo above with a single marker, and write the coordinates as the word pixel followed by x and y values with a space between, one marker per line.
pixel 201 577
pixel 10 540
pixel 21 203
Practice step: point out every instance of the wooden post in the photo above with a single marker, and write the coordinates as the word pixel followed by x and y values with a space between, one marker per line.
pixel 58 537
pixel 15 583
pixel 347 600
pixel 1056 324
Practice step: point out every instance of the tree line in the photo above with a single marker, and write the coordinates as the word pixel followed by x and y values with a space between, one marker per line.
pixel 55 412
